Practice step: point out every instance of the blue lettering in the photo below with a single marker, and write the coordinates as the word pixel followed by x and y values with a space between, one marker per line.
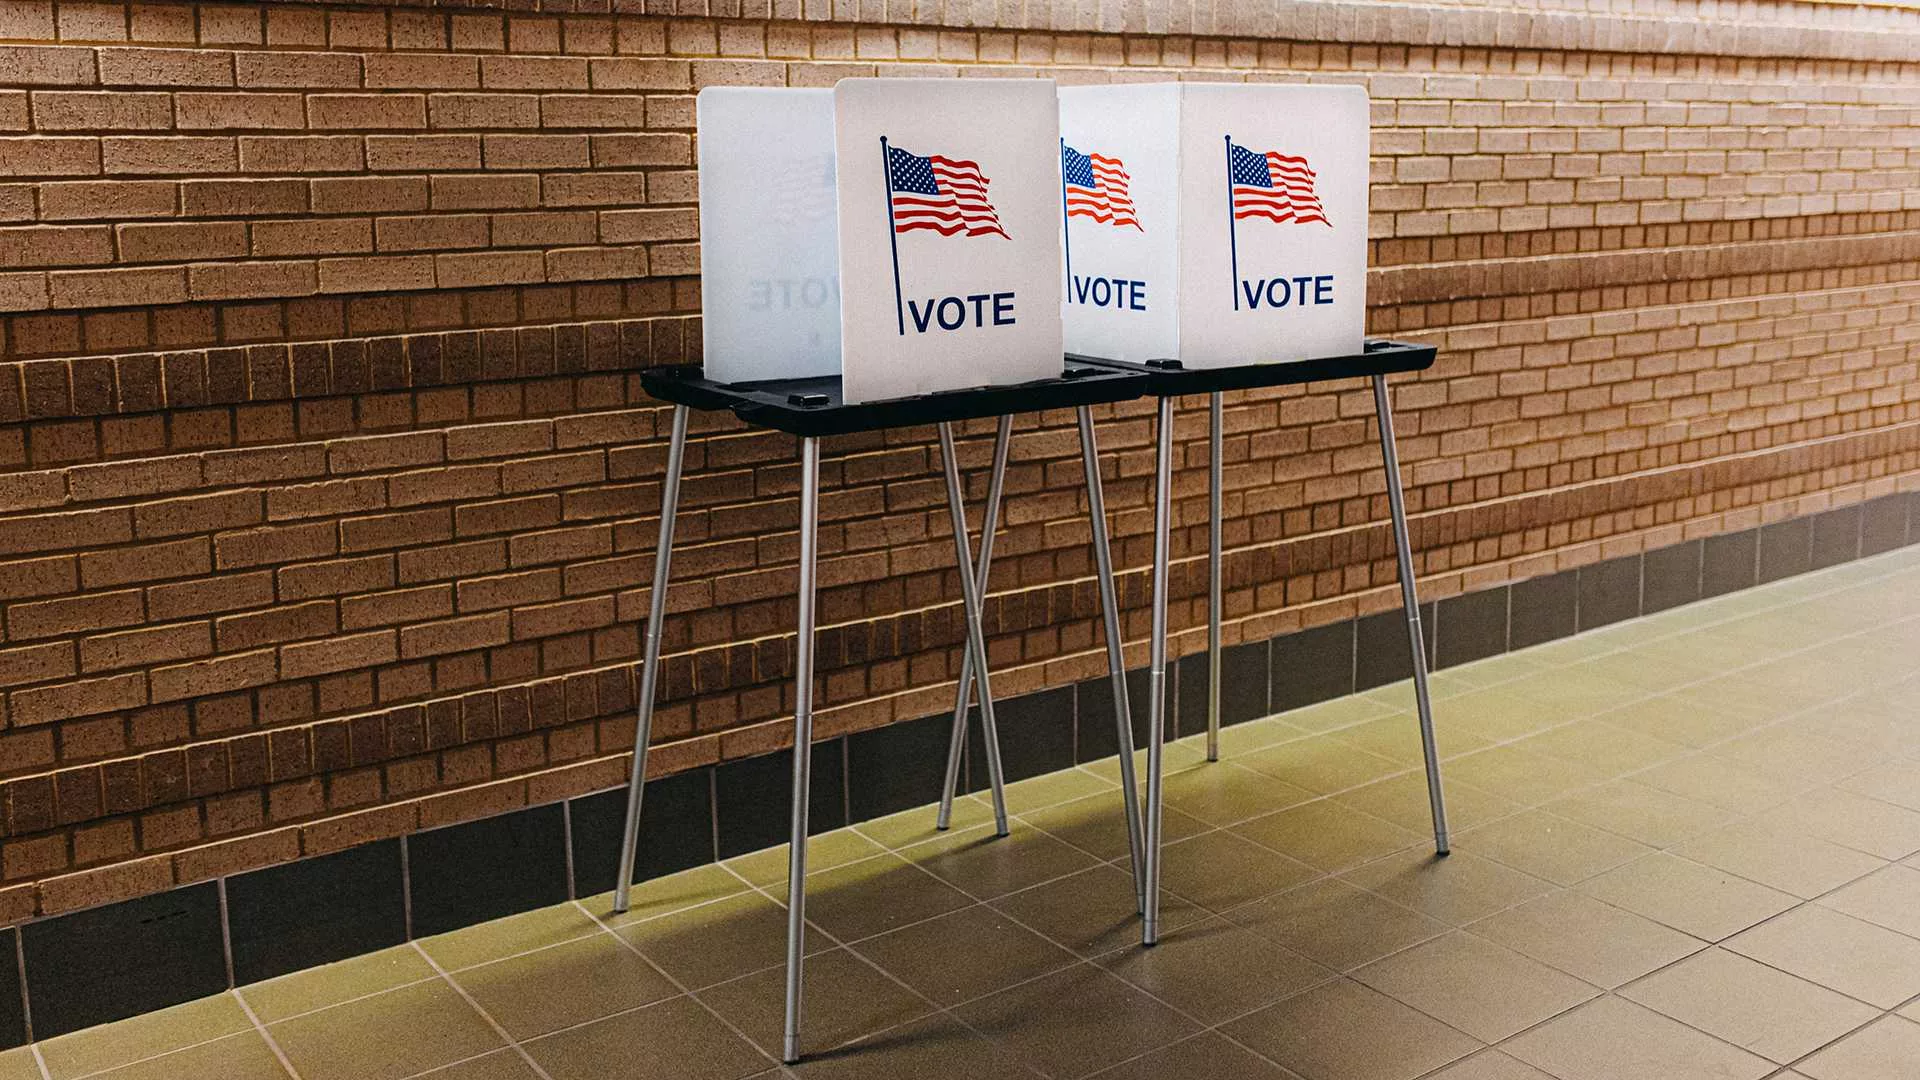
pixel 959 313
pixel 1003 309
pixel 920 318
pixel 1286 292
pixel 1323 289
pixel 1283 292
pixel 1137 295
pixel 954 312
pixel 1252 291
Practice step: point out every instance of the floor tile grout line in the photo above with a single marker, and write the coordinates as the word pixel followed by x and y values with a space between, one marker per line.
pixel 678 986
pixel 483 1013
pixel 40 1062
pixel 273 1044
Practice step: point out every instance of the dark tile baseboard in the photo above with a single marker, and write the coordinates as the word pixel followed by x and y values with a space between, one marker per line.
pixel 90 967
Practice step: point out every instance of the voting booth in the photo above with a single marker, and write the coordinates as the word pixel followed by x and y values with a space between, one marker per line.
pixel 1214 224
pixel 883 255
pixel 898 233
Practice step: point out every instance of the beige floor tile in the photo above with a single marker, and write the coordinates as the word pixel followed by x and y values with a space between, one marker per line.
pixel 245 1056
pixel 664 895
pixel 1441 685
pixel 1642 813
pixel 1485 990
pixel 1889 898
pixel 1222 793
pixel 331 984
pixel 1337 713
pixel 964 955
pixel 510 936
pixel 1878 828
pixel 1612 1039
pixel 1040 792
pixel 1885 1050
pixel 1237 739
pixel 1767 1011
pixel 1688 721
pixel 1215 969
pixel 1094 911
pixel 18 1064
pixel 1111 1022
pixel 1718 782
pixel 845 999
pixel 871 897
pixel 1498 669
pixel 824 852
pixel 1649 668
pixel 110 1045
pixel 1838 951
pixel 1522 776
pixel 538 992
pixel 934 1048
pixel 1549 846
pixel 1336 924
pixel 1896 782
pixel 1178 755
pixel 1797 757
pixel 1572 693
pixel 1098 825
pixel 1206 1056
pixel 1219 870
pixel 1699 900
pixel 499 1065
pixel 674 1039
pixel 1403 801
pixel 1773 855
pixel 439 1028
pixel 1322 764
pixel 984 866
pixel 1495 714
pixel 1344 1031
pixel 916 826
pixel 1489 1065
pixel 1396 737
pixel 1598 744
pixel 1328 836
pixel 718 941
pixel 1597 942
pixel 1455 890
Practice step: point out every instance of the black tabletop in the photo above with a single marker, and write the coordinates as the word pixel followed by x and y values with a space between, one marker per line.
pixel 813 407
pixel 1166 378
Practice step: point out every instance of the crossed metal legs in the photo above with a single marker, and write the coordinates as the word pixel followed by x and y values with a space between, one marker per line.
pixel 1157 653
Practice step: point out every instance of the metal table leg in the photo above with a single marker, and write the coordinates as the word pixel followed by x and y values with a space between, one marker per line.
pixel 650 659
pixel 1410 600
pixel 1116 658
pixel 989 524
pixel 1214 441
pixel 802 742
pixel 976 634
pixel 1157 665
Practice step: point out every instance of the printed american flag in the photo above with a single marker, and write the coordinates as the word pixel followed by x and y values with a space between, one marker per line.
pixel 1272 186
pixel 1097 188
pixel 799 190
pixel 943 194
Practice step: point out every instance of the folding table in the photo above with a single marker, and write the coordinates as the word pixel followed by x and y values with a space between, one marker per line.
pixel 1166 380
pixel 812 408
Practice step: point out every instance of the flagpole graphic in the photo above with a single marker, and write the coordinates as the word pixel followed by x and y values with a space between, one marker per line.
pixel 1066 226
pixel 893 235
pixel 1233 238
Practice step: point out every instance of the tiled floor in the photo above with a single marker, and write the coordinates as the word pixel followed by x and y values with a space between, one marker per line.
pixel 1686 848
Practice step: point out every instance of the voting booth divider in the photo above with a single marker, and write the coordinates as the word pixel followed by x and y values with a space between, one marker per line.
pixel 894 253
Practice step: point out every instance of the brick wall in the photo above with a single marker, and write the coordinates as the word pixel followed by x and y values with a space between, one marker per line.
pixel 327 492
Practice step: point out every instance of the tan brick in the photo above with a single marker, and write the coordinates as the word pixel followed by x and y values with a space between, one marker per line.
pixel 313 236
pixel 484 111
pixel 36 663
pixel 489 268
pixel 375 274
pixel 44 246
pixel 597 188
pixel 276 625
pixel 631 150
pixel 454 635
pixel 218 198
pixel 32 155
pixel 625 73
pixel 220 675
pixel 297 70
pixel 108 200
pixel 533 73
pixel 252 280
pixel 340 653
pixel 395 607
pixel 181 242
pixel 486 192
pixel 247 111
pixel 116 288
pixel 145 562
pixel 301 154
pixel 543 230
pixel 513 152
pixel 423 72
pixel 165 67
pixel 207 596
pixel 644 226
pixel 420 153
pixel 46 65
pixel 86 697
pixel 367 112
pixel 144 647
pixel 592 111
pixel 174 155
pixel 356 194
pixel 63 110
pixel 596 263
